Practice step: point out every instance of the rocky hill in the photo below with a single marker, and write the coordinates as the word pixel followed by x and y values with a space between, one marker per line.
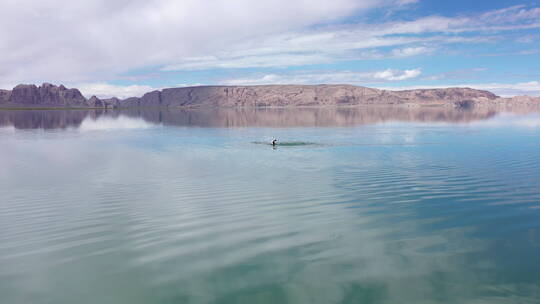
pixel 48 95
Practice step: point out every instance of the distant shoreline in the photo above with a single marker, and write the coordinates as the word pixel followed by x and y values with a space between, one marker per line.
pixel 48 96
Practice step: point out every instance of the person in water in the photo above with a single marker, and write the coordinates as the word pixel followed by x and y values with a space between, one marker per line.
pixel 274 142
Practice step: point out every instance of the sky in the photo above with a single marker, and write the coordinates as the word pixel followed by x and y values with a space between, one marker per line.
pixel 125 48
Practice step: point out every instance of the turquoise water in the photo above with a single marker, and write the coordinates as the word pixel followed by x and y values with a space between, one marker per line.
pixel 375 206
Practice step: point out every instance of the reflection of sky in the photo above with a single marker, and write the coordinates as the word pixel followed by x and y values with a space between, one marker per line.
pixel 6 129
pixel 113 123
pixel 530 120
pixel 361 215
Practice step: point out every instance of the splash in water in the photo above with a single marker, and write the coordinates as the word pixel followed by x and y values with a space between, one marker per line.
pixel 287 143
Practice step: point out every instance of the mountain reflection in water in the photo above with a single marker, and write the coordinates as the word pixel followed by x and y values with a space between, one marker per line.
pixel 251 117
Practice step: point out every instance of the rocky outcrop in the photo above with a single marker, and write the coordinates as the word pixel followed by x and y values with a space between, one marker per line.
pixel 25 94
pixel 48 95
pixel 150 99
pixel 53 95
pixel 303 95
pixel 5 96
pixel 112 102
pixel 95 102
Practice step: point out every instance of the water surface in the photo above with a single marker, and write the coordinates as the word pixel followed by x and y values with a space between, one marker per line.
pixel 379 205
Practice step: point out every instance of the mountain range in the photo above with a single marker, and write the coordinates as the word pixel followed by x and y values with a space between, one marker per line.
pixel 51 96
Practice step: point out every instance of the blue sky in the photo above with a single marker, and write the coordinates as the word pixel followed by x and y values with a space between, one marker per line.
pixel 125 48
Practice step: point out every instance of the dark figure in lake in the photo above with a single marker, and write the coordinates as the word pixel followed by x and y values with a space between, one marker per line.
pixel 274 142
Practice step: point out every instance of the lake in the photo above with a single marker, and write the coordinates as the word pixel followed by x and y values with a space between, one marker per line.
pixel 354 205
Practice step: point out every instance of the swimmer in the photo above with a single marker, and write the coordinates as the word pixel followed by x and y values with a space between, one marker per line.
pixel 274 142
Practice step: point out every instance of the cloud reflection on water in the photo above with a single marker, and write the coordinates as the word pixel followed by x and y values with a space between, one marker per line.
pixel 107 123
pixel 204 214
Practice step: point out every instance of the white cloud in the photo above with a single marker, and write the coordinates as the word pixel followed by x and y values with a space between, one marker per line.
pixel 299 55
pixel 84 41
pixel 104 90
pixel 410 51
pixel 394 75
pixel 334 77
pixel 407 2
pixel 358 41
pixel 270 60
pixel 75 42
pixel 81 41
pixel 512 14
pixel 296 49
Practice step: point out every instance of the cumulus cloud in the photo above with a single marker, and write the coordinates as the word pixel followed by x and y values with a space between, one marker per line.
pixel 61 41
pixel 104 90
pixel 394 75
pixel 360 41
pixel 334 77
pixel 92 42
pixel 409 51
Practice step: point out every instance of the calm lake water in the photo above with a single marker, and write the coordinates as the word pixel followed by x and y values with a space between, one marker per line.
pixel 369 205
